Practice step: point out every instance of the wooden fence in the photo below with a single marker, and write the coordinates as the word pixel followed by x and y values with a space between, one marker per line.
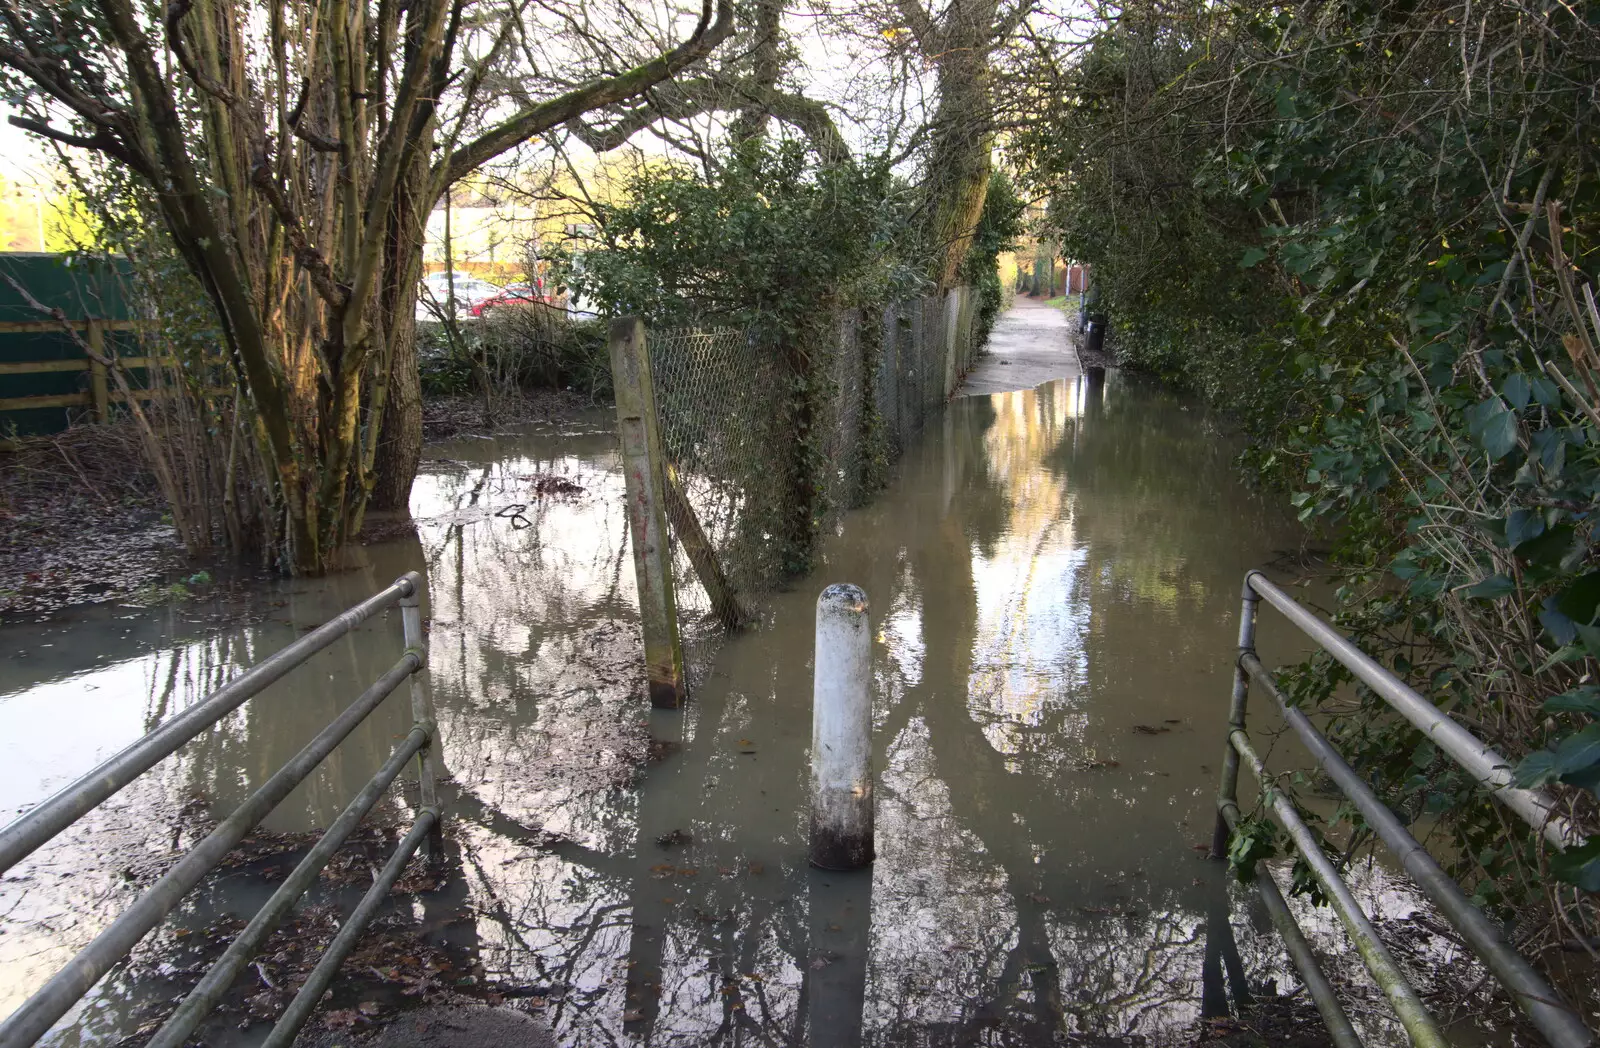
pixel 99 396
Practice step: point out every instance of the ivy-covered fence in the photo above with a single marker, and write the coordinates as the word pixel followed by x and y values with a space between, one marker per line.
pixel 770 445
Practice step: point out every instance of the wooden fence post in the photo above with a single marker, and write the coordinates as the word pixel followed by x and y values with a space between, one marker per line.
pixel 725 602
pixel 644 472
pixel 99 392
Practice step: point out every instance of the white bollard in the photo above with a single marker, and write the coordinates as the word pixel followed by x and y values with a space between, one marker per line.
pixel 841 732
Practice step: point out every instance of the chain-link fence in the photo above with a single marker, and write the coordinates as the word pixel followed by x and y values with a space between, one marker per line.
pixel 725 403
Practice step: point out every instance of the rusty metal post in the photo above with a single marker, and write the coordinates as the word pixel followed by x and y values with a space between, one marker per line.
pixel 644 472
pixel 1228 792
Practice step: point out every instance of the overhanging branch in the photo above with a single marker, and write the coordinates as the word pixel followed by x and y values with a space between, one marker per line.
pixel 698 97
pixel 609 91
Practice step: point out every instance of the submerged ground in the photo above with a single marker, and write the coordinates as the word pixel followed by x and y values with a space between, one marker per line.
pixel 1054 575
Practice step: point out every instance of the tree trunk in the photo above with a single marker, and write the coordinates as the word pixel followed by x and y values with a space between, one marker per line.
pixel 959 162
pixel 766 65
pixel 400 439
pixel 399 447
pixel 293 165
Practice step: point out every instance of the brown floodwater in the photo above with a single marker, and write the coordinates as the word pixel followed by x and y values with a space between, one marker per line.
pixel 1054 578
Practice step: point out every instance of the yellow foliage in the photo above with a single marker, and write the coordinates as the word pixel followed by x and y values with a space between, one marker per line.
pixel 35 217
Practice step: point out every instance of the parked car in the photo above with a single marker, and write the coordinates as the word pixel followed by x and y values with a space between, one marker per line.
pixel 524 294
pixel 433 295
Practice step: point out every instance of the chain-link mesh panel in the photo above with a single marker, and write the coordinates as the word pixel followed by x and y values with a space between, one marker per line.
pixel 842 427
pixel 886 382
pixel 717 396
pixel 720 400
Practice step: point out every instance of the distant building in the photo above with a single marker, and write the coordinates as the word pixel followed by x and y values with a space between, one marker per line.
pixel 485 238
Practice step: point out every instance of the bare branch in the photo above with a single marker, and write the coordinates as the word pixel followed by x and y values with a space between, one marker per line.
pixel 558 111
pixel 688 98
pixel 174 24
pixel 309 258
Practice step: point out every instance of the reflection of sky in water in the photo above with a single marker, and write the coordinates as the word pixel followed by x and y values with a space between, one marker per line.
pixel 1031 613
pixel 901 637
pixel 1053 568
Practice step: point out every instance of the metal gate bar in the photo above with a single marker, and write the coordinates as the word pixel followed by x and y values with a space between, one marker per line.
pixel 1559 1024
pixel 1321 990
pixel 44 1008
pixel 70 803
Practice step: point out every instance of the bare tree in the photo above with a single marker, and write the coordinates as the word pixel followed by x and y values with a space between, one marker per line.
pixel 948 53
pixel 293 154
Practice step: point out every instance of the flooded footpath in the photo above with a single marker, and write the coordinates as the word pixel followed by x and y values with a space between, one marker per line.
pixel 1054 577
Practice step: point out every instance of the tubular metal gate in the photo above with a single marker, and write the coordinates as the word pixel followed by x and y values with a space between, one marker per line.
pixel 1559 1024
pixel 42 1010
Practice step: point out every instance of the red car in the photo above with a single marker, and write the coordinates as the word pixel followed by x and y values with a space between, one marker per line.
pixel 514 295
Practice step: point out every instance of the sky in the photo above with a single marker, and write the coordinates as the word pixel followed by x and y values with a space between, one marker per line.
pixel 23 159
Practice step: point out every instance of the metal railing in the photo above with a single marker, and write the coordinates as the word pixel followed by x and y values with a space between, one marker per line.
pixel 18 840
pixel 1554 1018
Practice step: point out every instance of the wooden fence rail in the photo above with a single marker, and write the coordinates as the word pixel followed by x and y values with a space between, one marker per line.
pixel 98 397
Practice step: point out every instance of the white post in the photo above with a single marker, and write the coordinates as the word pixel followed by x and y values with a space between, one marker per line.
pixel 841 732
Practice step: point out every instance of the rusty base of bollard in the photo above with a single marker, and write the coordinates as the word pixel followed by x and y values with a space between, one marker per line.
pixel 834 850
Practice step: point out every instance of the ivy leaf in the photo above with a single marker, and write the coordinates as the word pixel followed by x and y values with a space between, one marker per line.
pixel 1547 393
pixel 1582 699
pixel 1253 841
pixel 1516 390
pixel 1581 599
pixel 1251 257
pixel 1496 429
pixel 1578 753
pixel 1536 769
pixel 1492 588
pixel 1555 548
pixel 1585 778
pixel 1522 527
pixel 1589 636
pixel 1559 626
pixel 1579 866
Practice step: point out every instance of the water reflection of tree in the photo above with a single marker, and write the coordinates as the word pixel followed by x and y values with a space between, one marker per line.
pixel 1156 490
pixel 1005 907
pixel 1109 974
pixel 993 920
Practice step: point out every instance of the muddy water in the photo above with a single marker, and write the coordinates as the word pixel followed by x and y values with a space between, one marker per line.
pixel 1054 578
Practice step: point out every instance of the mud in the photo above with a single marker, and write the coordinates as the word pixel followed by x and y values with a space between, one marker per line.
pixel 77 525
